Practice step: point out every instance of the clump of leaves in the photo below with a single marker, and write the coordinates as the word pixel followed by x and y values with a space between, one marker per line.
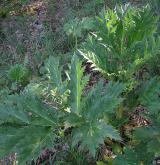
pixel 114 48
pixel 88 115
pixel 145 143
pixel 19 74
pixel 123 48
pixel 27 125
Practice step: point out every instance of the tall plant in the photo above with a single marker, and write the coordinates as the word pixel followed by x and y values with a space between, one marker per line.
pixel 124 49
pixel 27 124
pixel 116 47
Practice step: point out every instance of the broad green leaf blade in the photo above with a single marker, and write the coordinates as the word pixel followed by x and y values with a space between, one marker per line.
pixel 26 141
pixel 37 109
pixel 120 161
pixel 26 127
pixel 91 135
pixel 102 100
pixel 95 53
pixel 26 109
pixel 73 120
pixel 77 84
pixel 13 114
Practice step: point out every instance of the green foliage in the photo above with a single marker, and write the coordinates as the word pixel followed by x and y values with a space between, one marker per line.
pixel 77 84
pixel 112 49
pixel 26 126
pixel 72 157
pixel 57 111
pixel 145 143
pixel 121 48
pixel 132 157
pixel 54 75
pixel 88 114
pixel 54 71
pixel 149 97
pixel 18 73
pixel 92 134
pixel 151 100
pixel 30 123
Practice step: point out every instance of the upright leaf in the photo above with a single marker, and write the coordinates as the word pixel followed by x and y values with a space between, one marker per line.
pixel 54 69
pixel 77 84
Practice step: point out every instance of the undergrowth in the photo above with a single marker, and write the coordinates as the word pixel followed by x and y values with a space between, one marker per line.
pixel 52 112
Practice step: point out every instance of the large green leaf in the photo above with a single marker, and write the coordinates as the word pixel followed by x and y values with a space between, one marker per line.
pixel 91 134
pixel 27 141
pixel 108 99
pixel 77 84
pixel 87 114
pixel 26 127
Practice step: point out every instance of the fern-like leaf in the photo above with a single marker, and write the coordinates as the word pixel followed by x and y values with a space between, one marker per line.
pixel 108 99
pixel 26 127
pixel 112 49
pixel 77 84
pixel 87 115
pixel 27 141
pixel 92 134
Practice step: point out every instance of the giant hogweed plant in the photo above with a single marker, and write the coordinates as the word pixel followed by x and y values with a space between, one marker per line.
pixel 88 115
pixel 119 47
pixel 125 47
pixel 28 125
